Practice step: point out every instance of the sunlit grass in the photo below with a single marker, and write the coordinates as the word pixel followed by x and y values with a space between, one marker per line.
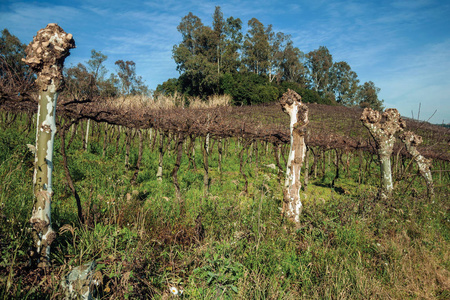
pixel 144 239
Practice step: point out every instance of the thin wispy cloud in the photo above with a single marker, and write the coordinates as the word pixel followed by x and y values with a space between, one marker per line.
pixel 402 46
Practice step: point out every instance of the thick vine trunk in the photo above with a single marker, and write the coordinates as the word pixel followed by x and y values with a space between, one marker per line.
pixel 383 127
pixel 411 141
pixel 86 139
pixel 179 150
pixel 45 56
pixel 206 166
pixel 138 163
pixel 298 113
pixel 67 172
pixel 127 148
pixel 159 172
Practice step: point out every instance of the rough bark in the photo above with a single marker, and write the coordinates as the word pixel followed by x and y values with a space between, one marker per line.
pixel 411 142
pixel 298 113
pixel 179 150
pixel 159 172
pixel 46 55
pixel 383 127
pixel 67 172
pixel 127 148
pixel 86 138
pixel 138 163
pixel 206 166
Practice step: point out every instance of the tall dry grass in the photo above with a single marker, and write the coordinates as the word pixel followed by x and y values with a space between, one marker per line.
pixel 211 101
pixel 139 102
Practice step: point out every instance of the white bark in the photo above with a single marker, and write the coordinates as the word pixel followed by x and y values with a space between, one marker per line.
pixel 45 55
pixel 298 113
pixel 411 141
pixel 383 128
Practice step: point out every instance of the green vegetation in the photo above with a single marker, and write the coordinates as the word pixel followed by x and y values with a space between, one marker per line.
pixel 256 67
pixel 145 240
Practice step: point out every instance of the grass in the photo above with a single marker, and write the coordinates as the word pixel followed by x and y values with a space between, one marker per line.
pixel 145 240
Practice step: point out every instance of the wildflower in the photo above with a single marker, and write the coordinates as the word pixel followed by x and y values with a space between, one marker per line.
pixel 174 290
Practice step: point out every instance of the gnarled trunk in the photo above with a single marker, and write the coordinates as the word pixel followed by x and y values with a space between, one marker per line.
pixel 411 141
pixel 298 113
pixel 45 55
pixel 383 127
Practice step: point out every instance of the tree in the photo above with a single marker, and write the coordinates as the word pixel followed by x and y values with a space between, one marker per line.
pixel 344 83
pixel 196 56
pixel 11 53
pixel 319 63
pixel 87 81
pixel 256 47
pixel 131 84
pixel 97 69
pixel 109 87
pixel 281 54
pixel 368 96
pixel 78 82
pixel 292 68
pixel 219 32
pixel 15 75
pixel 168 87
pixel 233 43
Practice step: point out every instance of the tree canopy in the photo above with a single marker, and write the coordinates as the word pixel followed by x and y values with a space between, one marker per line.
pixel 221 58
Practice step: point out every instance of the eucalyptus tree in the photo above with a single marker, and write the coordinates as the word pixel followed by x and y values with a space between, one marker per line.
pixel 256 47
pixel 97 69
pixel 196 56
pixel 78 81
pixel 131 83
pixel 319 63
pixel 367 96
pixel 231 60
pixel 292 69
pixel 344 83
pixel 15 75
pixel 219 34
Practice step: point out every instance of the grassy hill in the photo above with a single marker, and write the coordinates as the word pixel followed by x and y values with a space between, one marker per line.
pixel 229 243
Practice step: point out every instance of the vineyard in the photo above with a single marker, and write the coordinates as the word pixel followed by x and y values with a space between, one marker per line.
pixel 191 198
pixel 176 201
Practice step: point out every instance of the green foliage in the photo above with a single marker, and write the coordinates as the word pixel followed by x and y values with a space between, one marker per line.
pixel 144 239
pixel 220 58
pixel 368 96
pixel 11 53
pixel 248 88
pixel 169 87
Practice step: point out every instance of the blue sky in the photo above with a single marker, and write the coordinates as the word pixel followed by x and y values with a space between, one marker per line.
pixel 402 46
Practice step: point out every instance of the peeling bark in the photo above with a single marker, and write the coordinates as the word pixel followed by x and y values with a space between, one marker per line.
pixel 159 172
pixel 411 142
pixel 206 166
pixel 298 113
pixel 179 150
pixel 138 163
pixel 46 55
pixel 383 127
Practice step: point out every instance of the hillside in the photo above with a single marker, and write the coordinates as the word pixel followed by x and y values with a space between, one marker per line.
pixel 222 235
